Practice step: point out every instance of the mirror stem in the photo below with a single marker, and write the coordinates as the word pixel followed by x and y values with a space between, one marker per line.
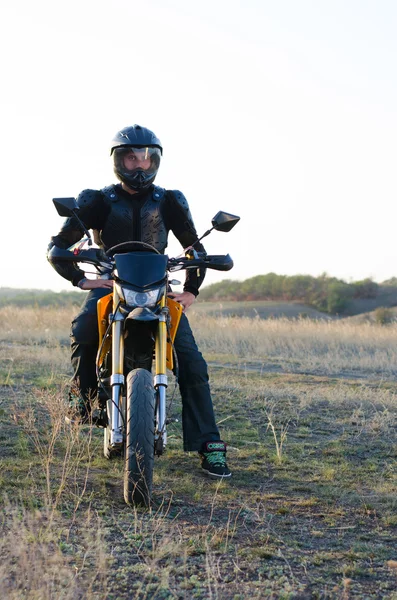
pixel 83 226
pixel 203 236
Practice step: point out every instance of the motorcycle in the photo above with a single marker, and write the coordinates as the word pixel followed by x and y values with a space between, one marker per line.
pixel 137 324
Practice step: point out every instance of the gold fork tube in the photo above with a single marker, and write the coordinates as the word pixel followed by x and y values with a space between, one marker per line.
pixel 117 338
pixel 160 378
pixel 117 348
pixel 161 341
pixel 117 378
pixel 160 348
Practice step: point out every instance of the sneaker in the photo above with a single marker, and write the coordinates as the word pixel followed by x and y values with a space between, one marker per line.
pixel 213 459
pixel 77 412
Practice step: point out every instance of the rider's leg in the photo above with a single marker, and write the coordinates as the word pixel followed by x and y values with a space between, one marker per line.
pixel 200 431
pixel 198 419
pixel 84 347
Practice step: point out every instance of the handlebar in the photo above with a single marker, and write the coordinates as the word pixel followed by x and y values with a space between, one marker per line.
pixel 217 262
pixel 96 257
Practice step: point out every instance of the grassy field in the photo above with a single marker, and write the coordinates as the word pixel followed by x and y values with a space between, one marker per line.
pixel 308 409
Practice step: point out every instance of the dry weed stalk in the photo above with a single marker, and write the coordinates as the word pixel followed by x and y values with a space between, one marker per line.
pixel 36 563
pixel 278 441
pixel 44 425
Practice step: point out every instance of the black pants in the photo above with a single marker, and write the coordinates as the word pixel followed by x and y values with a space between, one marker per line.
pixel 198 420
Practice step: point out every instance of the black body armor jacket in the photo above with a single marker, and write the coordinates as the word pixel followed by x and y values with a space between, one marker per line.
pixel 115 216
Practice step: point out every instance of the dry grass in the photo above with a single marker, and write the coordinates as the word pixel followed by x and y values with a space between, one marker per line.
pixel 310 511
pixel 328 347
pixel 39 325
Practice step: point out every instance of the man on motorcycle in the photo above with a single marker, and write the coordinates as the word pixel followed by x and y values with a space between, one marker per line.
pixel 136 209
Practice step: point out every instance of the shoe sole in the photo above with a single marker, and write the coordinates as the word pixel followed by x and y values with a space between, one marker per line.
pixel 214 475
pixel 71 421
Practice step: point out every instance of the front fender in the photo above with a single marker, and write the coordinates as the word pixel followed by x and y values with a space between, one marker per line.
pixel 142 314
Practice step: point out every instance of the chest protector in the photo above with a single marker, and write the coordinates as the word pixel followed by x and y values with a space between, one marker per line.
pixel 133 221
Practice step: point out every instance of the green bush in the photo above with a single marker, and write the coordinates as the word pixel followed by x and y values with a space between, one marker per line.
pixel 365 288
pixel 338 297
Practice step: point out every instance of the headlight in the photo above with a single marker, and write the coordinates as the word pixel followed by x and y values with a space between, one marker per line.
pixel 139 299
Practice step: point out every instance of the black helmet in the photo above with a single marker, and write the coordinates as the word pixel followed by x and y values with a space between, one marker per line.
pixel 137 145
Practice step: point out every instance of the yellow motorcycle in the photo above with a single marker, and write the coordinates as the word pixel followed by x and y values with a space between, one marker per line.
pixel 137 325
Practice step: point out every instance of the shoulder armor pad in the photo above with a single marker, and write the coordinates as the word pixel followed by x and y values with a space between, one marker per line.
pixel 158 193
pixel 110 193
pixel 88 197
pixel 180 199
pixel 181 203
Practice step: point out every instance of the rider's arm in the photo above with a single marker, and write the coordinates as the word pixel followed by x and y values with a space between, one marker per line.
pixel 179 220
pixel 92 212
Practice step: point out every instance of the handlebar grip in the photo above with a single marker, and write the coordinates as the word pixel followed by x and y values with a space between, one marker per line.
pixel 93 256
pixel 219 262
pixel 59 255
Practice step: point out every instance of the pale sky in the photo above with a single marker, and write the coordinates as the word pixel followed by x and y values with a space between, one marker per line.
pixel 280 111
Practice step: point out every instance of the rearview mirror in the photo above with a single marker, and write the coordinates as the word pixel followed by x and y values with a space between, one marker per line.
pixel 66 207
pixel 224 221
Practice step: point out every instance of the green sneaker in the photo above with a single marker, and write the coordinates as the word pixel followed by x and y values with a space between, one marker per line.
pixel 78 411
pixel 213 459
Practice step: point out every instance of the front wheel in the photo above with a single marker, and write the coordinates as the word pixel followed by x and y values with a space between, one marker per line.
pixel 139 448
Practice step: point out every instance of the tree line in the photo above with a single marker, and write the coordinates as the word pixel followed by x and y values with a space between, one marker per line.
pixel 41 298
pixel 324 293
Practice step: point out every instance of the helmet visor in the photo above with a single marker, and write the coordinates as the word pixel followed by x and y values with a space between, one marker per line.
pixel 130 159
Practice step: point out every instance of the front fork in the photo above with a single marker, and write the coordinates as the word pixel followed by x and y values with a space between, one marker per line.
pixel 117 380
pixel 161 379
